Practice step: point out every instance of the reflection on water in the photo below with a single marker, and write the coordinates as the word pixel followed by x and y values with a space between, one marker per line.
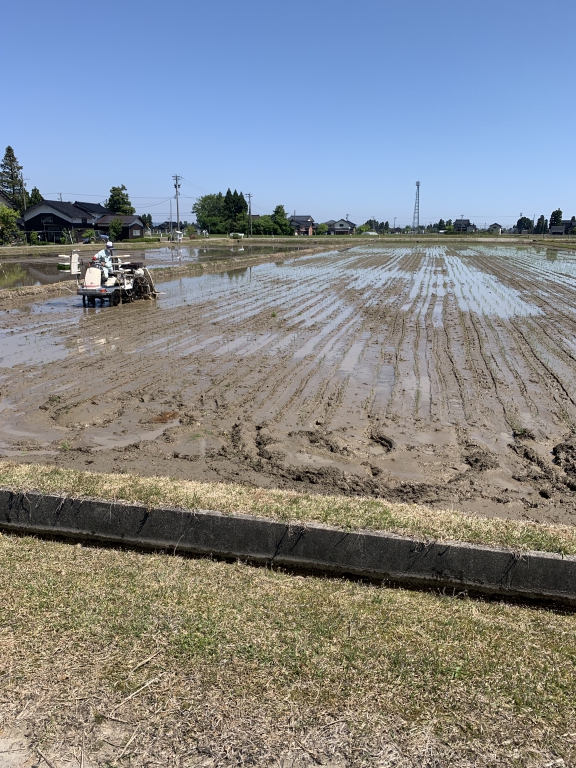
pixel 42 271
pixel 25 273
pixel 184 254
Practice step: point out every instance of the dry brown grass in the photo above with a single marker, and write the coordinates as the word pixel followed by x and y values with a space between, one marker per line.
pixel 349 513
pixel 152 660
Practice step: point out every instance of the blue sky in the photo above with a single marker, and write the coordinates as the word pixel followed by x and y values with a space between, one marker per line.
pixel 328 108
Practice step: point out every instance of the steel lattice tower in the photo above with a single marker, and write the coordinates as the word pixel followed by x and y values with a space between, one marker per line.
pixel 416 217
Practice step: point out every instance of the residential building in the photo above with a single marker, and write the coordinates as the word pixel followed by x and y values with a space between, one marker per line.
pixel 340 227
pixel 94 209
pixel 565 227
pixel 5 200
pixel 496 229
pixel 49 217
pixel 132 226
pixel 303 225
pixel 464 225
pixel 166 227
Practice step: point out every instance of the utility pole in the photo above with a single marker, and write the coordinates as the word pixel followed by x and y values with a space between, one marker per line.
pixel 170 219
pixel 23 191
pixel 249 196
pixel 177 187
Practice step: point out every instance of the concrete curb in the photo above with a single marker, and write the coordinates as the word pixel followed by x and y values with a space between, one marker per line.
pixel 539 576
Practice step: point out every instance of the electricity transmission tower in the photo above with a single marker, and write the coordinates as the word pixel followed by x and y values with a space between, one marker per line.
pixel 416 217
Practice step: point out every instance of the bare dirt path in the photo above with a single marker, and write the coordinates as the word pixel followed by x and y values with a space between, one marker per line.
pixel 430 373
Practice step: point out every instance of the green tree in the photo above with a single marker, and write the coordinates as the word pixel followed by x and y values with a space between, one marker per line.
pixel 11 182
pixel 234 212
pixel 67 236
pixel 115 228
pixel 556 218
pixel 363 228
pixel 209 212
pixel 8 223
pixel 282 225
pixel 441 224
pixel 263 225
pixel 228 209
pixel 386 226
pixel 541 225
pixel 35 196
pixel 119 202
pixel 90 235
pixel 524 223
pixel 221 214
pixel 322 229
pixel 449 224
pixel 190 231
pixel 34 238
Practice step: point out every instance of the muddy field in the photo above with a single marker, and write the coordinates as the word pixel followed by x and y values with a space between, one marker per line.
pixel 432 374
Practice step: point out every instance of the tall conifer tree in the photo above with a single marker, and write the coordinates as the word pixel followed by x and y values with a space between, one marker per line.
pixel 11 180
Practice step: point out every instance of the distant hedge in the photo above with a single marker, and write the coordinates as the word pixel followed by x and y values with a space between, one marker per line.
pixel 140 240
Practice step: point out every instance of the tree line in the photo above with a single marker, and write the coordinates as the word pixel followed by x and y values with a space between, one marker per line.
pixel 220 214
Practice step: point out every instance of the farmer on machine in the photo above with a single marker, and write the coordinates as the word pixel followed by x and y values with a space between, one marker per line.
pixel 104 259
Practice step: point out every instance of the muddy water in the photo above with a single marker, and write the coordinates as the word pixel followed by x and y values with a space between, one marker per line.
pixel 24 273
pixel 431 374
pixel 168 255
pixel 44 270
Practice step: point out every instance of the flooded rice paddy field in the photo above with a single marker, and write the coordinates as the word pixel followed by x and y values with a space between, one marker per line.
pixel 43 268
pixel 439 375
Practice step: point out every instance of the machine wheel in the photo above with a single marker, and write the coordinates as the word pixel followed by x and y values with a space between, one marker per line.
pixel 140 288
pixel 84 301
pixel 115 299
pixel 91 301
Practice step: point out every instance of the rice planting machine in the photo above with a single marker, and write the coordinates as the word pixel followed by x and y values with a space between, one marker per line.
pixel 126 282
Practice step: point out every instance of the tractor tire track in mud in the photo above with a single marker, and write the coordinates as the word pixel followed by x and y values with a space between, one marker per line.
pixel 430 374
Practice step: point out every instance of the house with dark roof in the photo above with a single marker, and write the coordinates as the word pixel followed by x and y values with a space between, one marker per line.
pixel 166 227
pixel 95 209
pixel 132 226
pixel 303 225
pixel 49 217
pixel 340 227
pixel 464 225
pixel 565 227
pixel 5 200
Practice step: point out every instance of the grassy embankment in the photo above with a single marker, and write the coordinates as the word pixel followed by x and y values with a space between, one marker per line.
pixel 138 659
pixel 141 659
pixel 344 512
